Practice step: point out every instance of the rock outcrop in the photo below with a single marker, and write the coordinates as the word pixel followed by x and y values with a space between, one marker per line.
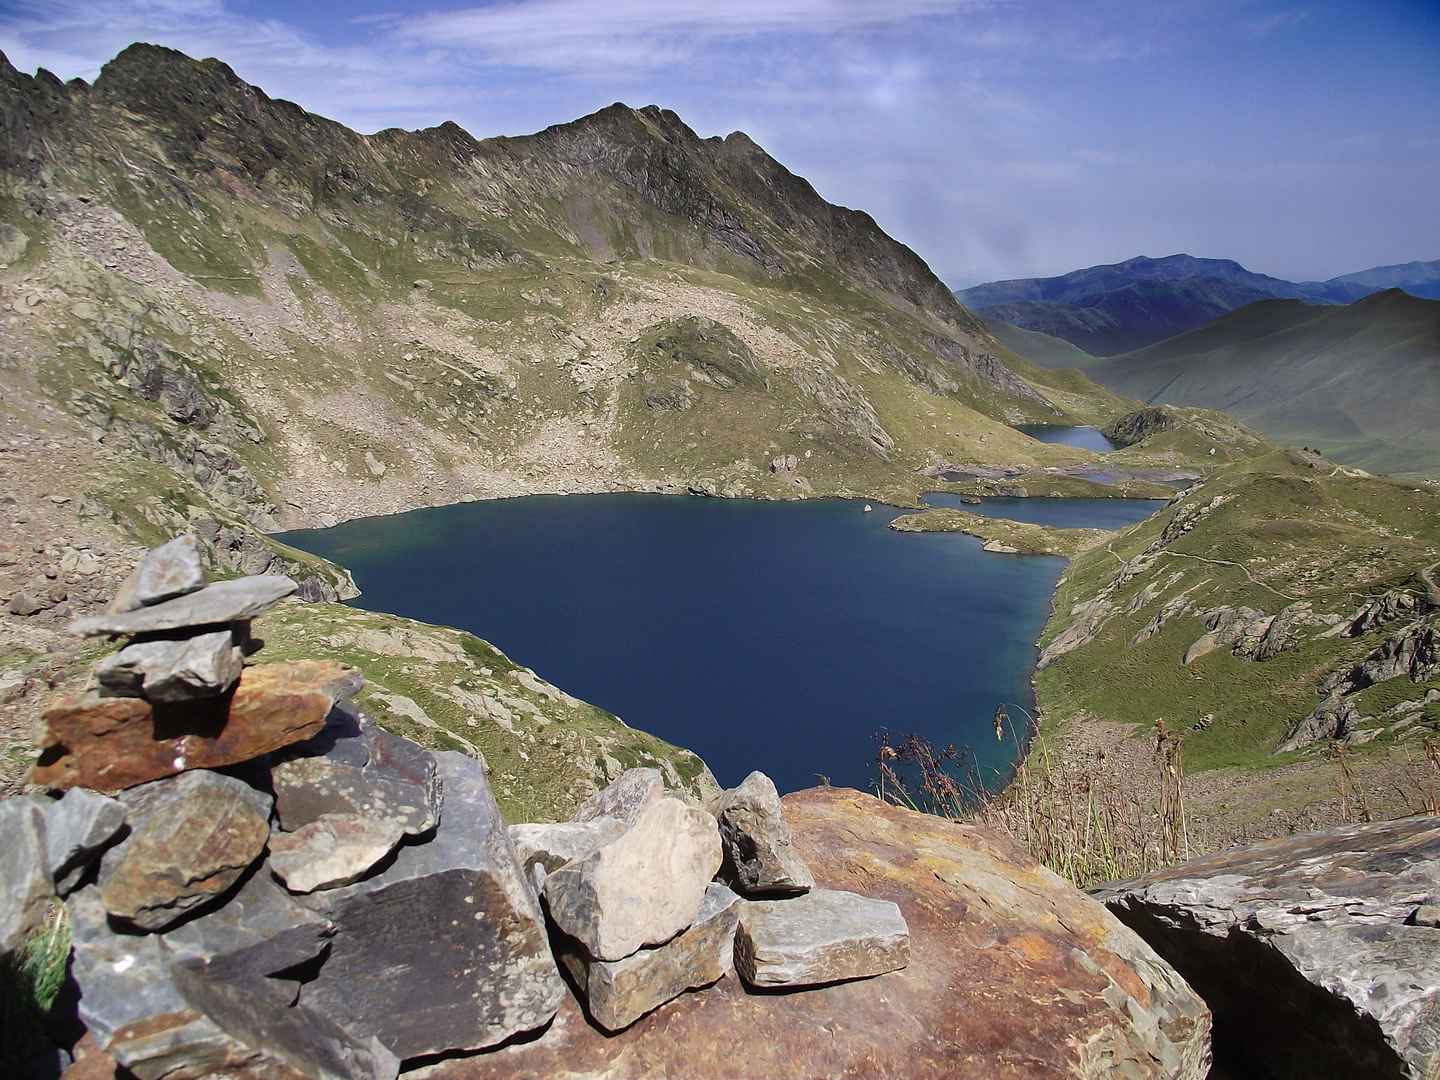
pixel 760 857
pixel 1012 973
pixel 1312 951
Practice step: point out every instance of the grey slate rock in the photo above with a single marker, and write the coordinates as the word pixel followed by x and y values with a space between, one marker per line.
pixel 619 992
pixel 78 827
pixel 163 1019
pixel 553 845
pixel 760 856
pixel 191 837
pixel 822 937
pixel 224 602
pixel 1308 949
pixel 625 799
pixel 335 850
pixel 446 949
pixel 352 767
pixel 171 570
pixel 643 887
pixel 188 669
pixel 25 885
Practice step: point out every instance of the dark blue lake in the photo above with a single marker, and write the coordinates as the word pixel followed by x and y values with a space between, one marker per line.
pixel 1061 513
pixel 777 636
pixel 1086 438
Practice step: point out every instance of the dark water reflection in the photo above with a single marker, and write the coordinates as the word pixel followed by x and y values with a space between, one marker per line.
pixel 1060 513
pixel 1086 438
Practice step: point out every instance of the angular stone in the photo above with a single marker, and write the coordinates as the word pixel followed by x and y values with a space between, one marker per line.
pixel 171 570
pixel 173 671
pixel 110 744
pixel 335 850
pixel 191 838
pixel 25 886
pixel 24 604
pixel 626 799
pixel 164 1020
pixel 553 845
pixel 619 992
pixel 223 602
pixel 643 887
pixel 822 937
pixel 1307 948
pixel 1012 974
pixel 352 767
pixel 77 828
pixel 760 856
pixel 446 948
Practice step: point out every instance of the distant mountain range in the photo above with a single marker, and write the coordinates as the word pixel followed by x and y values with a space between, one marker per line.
pixel 1360 382
pixel 1106 310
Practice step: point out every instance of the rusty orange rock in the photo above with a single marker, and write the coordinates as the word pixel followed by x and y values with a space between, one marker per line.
pixel 110 744
pixel 1012 974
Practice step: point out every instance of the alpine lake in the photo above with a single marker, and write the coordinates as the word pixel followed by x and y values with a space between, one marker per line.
pixel 780 636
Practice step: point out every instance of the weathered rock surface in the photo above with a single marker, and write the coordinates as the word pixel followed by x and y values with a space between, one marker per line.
pixel 77 828
pixel 445 949
pixel 619 992
pixel 822 937
pixel 1307 948
pixel 109 744
pixel 203 666
pixel 1333 718
pixel 223 602
pixel 553 845
pixel 352 767
pixel 165 1020
pixel 25 887
pixel 643 887
pixel 191 838
pixel 626 799
pixel 759 854
pixel 1012 974
pixel 171 570
pixel 335 850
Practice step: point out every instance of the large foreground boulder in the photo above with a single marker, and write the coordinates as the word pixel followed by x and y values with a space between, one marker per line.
pixel 1012 973
pixel 1318 953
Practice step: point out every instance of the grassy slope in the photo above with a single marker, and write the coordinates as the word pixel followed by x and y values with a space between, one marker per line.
pixel 1359 382
pixel 1044 350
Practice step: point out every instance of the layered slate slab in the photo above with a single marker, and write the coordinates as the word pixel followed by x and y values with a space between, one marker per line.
pixel 760 858
pixel 822 937
pixel 1012 974
pixel 1319 953
pixel 110 744
pixel 224 602
pixel 171 570
pixel 446 948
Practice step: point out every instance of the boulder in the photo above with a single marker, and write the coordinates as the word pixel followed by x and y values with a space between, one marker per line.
pixel 625 799
pixel 760 856
pixel 1308 949
pixel 643 887
pixel 1333 718
pixel 166 1020
pixel 203 666
pixel 352 767
pixel 224 602
pixel 191 837
pixel 109 744
pixel 171 570
pixel 335 850
pixel 25 885
pixel 77 828
pixel 446 949
pixel 551 846
pixel 822 937
pixel 619 992
pixel 1012 973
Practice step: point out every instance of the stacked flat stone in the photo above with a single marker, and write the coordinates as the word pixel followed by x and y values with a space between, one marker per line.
pixel 789 933
pixel 383 872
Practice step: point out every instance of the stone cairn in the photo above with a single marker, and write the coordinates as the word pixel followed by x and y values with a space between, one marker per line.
pixel 262 882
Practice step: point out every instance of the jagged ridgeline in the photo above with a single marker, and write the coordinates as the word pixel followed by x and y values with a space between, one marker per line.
pixel 296 323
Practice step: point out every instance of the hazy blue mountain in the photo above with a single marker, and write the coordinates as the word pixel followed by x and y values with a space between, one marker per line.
pixel 1360 382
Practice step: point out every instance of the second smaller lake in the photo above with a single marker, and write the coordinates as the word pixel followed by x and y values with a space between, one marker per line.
pixel 1058 513
pixel 1086 438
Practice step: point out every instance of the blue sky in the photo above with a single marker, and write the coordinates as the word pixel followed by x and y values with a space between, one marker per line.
pixel 999 139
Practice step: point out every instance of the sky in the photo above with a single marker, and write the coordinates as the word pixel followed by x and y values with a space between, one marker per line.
pixel 998 138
